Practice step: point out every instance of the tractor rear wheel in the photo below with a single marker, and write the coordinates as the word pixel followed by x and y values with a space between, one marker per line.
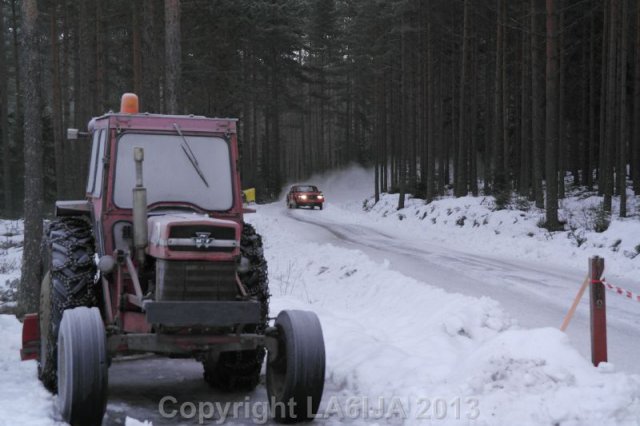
pixel 240 370
pixel 295 378
pixel 68 282
pixel 82 367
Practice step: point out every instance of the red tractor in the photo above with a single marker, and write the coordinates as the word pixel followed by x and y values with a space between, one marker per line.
pixel 158 259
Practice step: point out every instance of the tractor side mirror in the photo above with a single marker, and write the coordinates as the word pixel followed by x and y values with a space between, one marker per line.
pixel 74 134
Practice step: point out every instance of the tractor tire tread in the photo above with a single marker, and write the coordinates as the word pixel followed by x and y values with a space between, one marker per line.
pixel 70 249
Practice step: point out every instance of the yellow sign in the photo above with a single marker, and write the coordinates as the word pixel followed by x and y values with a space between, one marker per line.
pixel 249 195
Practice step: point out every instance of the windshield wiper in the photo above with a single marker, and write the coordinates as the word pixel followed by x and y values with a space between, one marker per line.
pixel 190 155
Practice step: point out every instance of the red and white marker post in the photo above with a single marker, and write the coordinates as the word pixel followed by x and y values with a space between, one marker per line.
pixel 598 307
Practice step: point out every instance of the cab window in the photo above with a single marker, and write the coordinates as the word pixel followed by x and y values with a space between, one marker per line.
pixel 92 165
pixel 97 190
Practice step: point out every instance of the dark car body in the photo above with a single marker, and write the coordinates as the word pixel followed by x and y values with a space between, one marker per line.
pixel 304 195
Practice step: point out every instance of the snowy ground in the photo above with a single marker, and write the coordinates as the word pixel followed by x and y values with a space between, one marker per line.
pixel 401 349
pixel 10 255
pixel 390 336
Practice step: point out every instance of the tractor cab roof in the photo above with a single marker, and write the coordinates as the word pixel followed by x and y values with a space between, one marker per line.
pixel 129 117
pixel 161 122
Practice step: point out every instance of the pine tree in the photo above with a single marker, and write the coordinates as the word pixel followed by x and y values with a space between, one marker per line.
pixel 29 290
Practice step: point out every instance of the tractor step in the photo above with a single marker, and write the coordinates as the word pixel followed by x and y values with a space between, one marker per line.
pixel 211 314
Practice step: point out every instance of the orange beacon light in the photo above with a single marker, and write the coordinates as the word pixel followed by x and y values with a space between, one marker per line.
pixel 129 103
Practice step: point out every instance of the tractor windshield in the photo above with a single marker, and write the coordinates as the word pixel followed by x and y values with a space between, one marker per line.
pixel 169 175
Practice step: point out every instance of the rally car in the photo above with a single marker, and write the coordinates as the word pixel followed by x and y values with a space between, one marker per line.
pixel 304 195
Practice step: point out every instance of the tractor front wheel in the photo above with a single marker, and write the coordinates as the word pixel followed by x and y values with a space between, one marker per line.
pixel 295 378
pixel 82 367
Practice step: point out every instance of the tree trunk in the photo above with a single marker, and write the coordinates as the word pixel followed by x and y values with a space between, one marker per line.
pixel 136 46
pixel 473 137
pixel 84 90
pixel 537 103
pixel 499 178
pixel 610 110
pixel 600 169
pixel 67 97
pixel 441 139
pixel 173 54
pixel 384 179
pixel 7 191
pixel 100 104
pixel 56 107
pixel 562 143
pixel 402 164
pixel 506 167
pixel 152 66
pixel 525 113
pixel 29 290
pixel 489 145
pixel 635 164
pixel 461 171
pixel 621 169
pixel 593 128
pixel 18 135
pixel 431 124
pixel 551 144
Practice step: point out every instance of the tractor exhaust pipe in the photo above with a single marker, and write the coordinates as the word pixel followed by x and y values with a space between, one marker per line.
pixel 140 236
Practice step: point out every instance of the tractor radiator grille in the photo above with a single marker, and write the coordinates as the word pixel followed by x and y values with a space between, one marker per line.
pixel 195 281
pixel 190 231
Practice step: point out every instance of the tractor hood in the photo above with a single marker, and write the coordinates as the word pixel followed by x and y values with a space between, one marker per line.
pixel 183 236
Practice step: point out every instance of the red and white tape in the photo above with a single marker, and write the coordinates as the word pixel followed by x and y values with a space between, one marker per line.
pixel 621 291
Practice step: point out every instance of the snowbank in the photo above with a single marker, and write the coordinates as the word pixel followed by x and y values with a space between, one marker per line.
pixel 472 223
pixel 428 354
pixel 23 399
pixel 10 256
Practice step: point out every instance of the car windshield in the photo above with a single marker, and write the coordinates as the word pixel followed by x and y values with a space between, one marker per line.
pixel 307 188
pixel 170 175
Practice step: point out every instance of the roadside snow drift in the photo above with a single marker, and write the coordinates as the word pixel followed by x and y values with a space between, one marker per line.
pixel 23 400
pixel 10 256
pixel 403 350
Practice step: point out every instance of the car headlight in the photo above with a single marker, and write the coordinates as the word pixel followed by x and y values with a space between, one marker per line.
pixel 303 197
pixel 320 197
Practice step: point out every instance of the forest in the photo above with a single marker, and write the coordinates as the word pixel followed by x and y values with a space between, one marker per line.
pixel 497 97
